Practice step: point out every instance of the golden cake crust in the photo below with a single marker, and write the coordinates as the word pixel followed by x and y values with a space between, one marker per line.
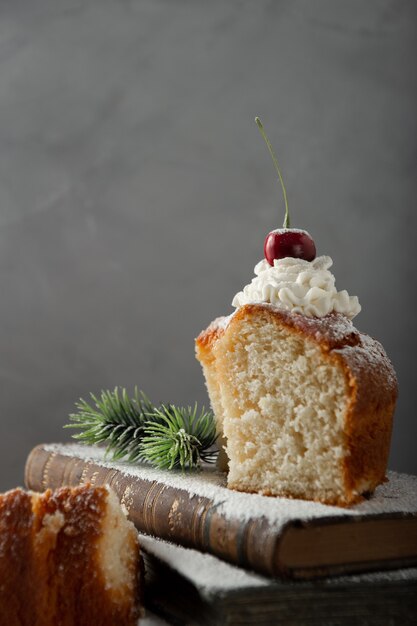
pixel 371 383
pixel 51 565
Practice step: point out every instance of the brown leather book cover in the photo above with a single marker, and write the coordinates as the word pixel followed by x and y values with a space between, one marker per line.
pixel 272 536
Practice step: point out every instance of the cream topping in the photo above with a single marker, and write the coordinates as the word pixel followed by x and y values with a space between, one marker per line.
pixel 305 287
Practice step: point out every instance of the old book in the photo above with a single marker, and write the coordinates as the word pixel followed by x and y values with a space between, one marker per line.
pixel 272 536
pixel 190 588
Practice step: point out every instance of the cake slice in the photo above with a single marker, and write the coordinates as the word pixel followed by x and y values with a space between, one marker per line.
pixel 304 404
pixel 67 558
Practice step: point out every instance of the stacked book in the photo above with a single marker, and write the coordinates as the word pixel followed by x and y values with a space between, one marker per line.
pixel 216 556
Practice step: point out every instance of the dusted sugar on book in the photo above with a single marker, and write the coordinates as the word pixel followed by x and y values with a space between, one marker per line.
pixel 272 536
pixel 192 588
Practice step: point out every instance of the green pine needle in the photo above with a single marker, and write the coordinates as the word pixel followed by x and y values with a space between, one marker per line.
pixel 167 436
pixel 182 438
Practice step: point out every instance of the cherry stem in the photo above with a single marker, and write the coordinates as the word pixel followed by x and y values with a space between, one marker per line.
pixel 274 159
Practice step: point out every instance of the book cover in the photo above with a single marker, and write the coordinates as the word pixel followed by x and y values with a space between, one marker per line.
pixel 271 536
pixel 188 587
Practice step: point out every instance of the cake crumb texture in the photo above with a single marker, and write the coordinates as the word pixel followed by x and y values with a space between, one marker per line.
pixel 305 405
pixel 67 558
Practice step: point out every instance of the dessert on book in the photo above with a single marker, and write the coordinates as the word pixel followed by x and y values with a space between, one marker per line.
pixel 273 536
pixel 304 401
pixel 67 557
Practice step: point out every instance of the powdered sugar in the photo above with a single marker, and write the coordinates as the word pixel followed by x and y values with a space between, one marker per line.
pixel 399 495
pixel 369 355
pixel 223 322
pixel 150 619
pixel 211 575
pixel 204 570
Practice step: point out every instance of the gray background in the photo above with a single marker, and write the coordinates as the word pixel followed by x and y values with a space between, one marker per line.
pixel 135 190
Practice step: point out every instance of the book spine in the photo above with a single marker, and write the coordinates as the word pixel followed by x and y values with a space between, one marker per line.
pixel 163 511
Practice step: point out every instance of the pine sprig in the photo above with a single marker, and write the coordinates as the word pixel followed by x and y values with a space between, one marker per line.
pixel 115 419
pixel 183 438
pixel 133 428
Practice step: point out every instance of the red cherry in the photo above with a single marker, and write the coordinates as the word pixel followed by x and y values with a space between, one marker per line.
pixel 291 242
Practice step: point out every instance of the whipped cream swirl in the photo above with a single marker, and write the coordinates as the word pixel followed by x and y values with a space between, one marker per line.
pixel 305 287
